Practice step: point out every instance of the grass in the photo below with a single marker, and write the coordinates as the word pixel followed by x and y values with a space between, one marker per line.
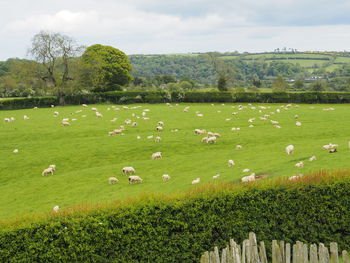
pixel 86 156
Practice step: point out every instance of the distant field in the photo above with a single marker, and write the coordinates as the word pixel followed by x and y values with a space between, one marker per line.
pixel 86 156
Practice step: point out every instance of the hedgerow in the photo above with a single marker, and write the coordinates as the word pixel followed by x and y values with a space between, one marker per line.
pixel 157 229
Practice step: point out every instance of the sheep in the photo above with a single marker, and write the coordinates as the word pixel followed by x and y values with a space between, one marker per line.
pixel 98 114
pixel 65 123
pixel 246 170
pixel 274 122
pixel 295 177
pixel 312 158
pixel 211 139
pixel 128 170
pixel 7 120
pixel 166 177
pixel 251 126
pixel 12 119
pixel 134 124
pixel 94 109
pixel 65 119
pixel 150 137
pixel 146 118
pixel 329 146
pixel 200 115
pixel 53 166
pixel 156 155
pixel 25 117
pixel 238 147
pixel 134 179
pixel 160 123
pixel 159 128
pixel 84 105
pixel 289 149
pixel 298 123
pixel 277 127
pixel 299 164
pixel 15 151
pixel 55 209
pixel 196 181
pixel 333 150
pixel 217 135
pixel 158 139
pixel 47 171
pixel 248 178
pixel 231 163
pixel 204 139
pixel 186 109
pixel 138 137
pixel 216 176
pixel 113 180
pixel 199 131
pixel 127 122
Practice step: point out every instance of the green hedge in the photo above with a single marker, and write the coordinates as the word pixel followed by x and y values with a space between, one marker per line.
pixel 160 230
pixel 127 97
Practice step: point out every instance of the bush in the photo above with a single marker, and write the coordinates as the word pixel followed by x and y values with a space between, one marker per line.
pixel 179 230
pixel 23 103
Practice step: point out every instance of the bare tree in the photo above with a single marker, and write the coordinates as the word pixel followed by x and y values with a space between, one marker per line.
pixel 54 52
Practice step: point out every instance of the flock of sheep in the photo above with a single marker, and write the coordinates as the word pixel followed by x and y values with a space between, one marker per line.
pixel 209 138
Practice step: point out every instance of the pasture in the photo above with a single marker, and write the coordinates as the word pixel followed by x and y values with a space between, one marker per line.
pixel 86 156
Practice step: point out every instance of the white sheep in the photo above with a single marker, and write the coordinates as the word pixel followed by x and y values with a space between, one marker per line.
pixel 158 139
pixel 15 151
pixel 166 177
pixel 53 166
pixel 65 123
pixel 289 149
pixel 94 109
pixel 204 139
pixel 231 163
pixel 47 171
pixel 55 209
pixel 156 155
pixel 249 178
pixel 196 181
pixel 159 128
pixel 312 158
pixel 216 176
pixel 199 131
pixel 113 180
pixel 84 105
pixel 25 117
pixel 298 123
pixel 238 147
pixel 246 170
pixel 160 123
pixel 128 170
pixel 134 179
pixel 299 164
pixel 134 124
pixel 98 114
pixel 295 177
pixel 211 139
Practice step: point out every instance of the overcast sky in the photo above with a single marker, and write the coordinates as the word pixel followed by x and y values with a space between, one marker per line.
pixel 180 26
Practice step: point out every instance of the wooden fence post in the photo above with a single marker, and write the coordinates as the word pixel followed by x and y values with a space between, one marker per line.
pixel 287 260
pixel 313 253
pixel 345 256
pixel 262 252
pixel 334 252
pixel 205 257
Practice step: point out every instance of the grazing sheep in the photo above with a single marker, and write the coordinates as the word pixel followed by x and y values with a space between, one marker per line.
pixel 135 179
pixel 299 164
pixel 199 131
pixel 200 115
pixel 53 166
pixel 158 139
pixel 113 180
pixel 333 150
pixel 216 176
pixel 289 149
pixel 146 118
pixel 65 123
pixel 312 158
pixel 138 137
pixel 134 124
pixel 238 147
pixel 160 123
pixel 196 181
pixel 166 177
pixel 231 163
pixel 217 135
pixel 7 120
pixel 204 139
pixel 246 171
pixel 84 105
pixel 211 139
pixel 186 109
pixel 15 151
pixel 55 209
pixel 298 123
pixel 25 117
pixel 94 109
pixel 159 128
pixel 127 122
pixel 329 146
pixel 47 171
pixel 150 137
pixel 249 178
pixel 274 122
pixel 12 119
pixel 98 114
pixel 156 155
pixel 277 126
pixel 295 177
pixel 128 170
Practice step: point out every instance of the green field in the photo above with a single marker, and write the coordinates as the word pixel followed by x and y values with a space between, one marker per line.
pixel 86 156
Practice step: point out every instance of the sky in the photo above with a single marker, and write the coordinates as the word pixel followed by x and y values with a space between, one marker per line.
pixel 181 26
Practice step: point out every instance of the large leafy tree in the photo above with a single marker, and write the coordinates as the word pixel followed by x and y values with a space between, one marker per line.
pixel 104 68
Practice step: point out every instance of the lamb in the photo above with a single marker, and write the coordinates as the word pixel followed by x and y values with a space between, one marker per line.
pixel 47 171
pixel 166 177
pixel 156 155
pixel 299 164
pixel 289 149
pixel 135 179
pixel 249 178
pixel 211 139
pixel 113 180
pixel 128 170
pixel 65 123
pixel 312 158
pixel 158 139
pixel 196 181
pixel 55 209
pixel 231 163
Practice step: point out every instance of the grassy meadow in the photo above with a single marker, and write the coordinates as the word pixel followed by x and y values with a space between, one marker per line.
pixel 86 156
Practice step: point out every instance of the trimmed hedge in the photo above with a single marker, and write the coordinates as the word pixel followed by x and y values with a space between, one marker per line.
pixel 127 97
pixel 160 230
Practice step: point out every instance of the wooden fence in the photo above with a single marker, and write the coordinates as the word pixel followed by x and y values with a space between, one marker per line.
pixel 252 252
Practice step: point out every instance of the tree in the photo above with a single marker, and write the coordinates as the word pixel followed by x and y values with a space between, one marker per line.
pixel 222 83
pixel 298 84
pixel 54 52
pixel 279 84
pixel 318 86
pixel 105 68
